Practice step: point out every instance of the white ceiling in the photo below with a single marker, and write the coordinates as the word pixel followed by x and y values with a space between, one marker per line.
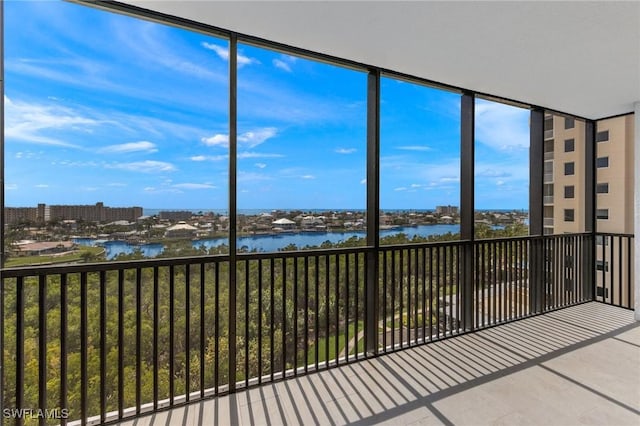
pixel 577 57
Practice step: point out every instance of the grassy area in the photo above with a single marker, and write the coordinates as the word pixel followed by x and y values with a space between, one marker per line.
pixel 331 341
pixel 74 256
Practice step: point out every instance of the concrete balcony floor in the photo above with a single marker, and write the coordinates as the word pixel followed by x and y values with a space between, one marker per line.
pixel 579 365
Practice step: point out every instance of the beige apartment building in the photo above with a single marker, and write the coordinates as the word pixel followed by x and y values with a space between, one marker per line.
pixel 564 192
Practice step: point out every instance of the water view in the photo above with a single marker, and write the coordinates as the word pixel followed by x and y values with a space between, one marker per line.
pixel 267 243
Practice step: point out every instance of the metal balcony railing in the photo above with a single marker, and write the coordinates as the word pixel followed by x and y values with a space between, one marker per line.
pixel 548 199
pixel 548 134
pixel 548 155
pixel 548 178
pixel 111 341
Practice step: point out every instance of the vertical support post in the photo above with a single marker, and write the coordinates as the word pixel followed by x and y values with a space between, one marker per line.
pixel 636 180
pixel 233 216
pixel 589 268
pixel 373 211
pixel 2 218
pixel 536 213
pixel 467 204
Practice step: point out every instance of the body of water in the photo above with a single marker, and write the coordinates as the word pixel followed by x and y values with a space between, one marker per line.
pixel 268 243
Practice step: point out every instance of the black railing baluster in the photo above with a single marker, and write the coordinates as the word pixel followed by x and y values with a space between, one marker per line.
pixel 247 271
pixel 306 315
pixel 326 309
pixel 272 308
pixel 316 328
pixel 425 311
pixel 438 274
pixel 296 261
pixel 63 344
pixel 284 317
pixel 346 306
pixel 619 238
pixel 19 346
pixel 385 314
pixel 402 275
pixel 156 341
pixel 84 377
pixel 187 331
pixel 630 282
pixel 336 277
pixel 121 301
pixel 42 345
pixel 611 268
pixel 394 284
pixel 103 346
pixel 260 324
pixel 430 257
pixel 172 357
pixel 409 276
pixel 216 331
pixel 138 340
pixel 202 328
pixel 357 305
pixel 416 294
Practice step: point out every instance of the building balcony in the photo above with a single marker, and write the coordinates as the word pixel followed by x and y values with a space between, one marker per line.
pixel 548 199
pixel 548 155
pixel 548 178
pixel 117 341
pixel 548 134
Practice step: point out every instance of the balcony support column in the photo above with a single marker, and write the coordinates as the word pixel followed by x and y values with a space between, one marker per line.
pixel 590 253
pixel 233 214
pixel 467 204
pixel 373 212
pixel 636 178
pixel 536 206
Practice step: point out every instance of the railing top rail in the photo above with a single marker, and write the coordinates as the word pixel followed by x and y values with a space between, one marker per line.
pixel 23 271
pixel 616 234
pixel 423 244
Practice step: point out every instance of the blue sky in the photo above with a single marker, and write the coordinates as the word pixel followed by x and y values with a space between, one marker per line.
pixel 104 107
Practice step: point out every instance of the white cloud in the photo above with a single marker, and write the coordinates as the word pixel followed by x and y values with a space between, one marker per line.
pixel 34 123
pixel 491 172
pixel 194 186
pixel 363 181
pixel 414 148
pixel 142 146
pixel 117 185
pixel 346 150
pixel 223 53
pixel 250 154
pixel 416 185
pixel 148 166
pixel 502 127
pixel 217 140
pixel 198 158
pixel 11 187
pixel 401 188
pixel 260 165
pixel 42 185
pixel 499 183
pixel 281 65
pixel 308 177
pixel 255 138
pixel 251 139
